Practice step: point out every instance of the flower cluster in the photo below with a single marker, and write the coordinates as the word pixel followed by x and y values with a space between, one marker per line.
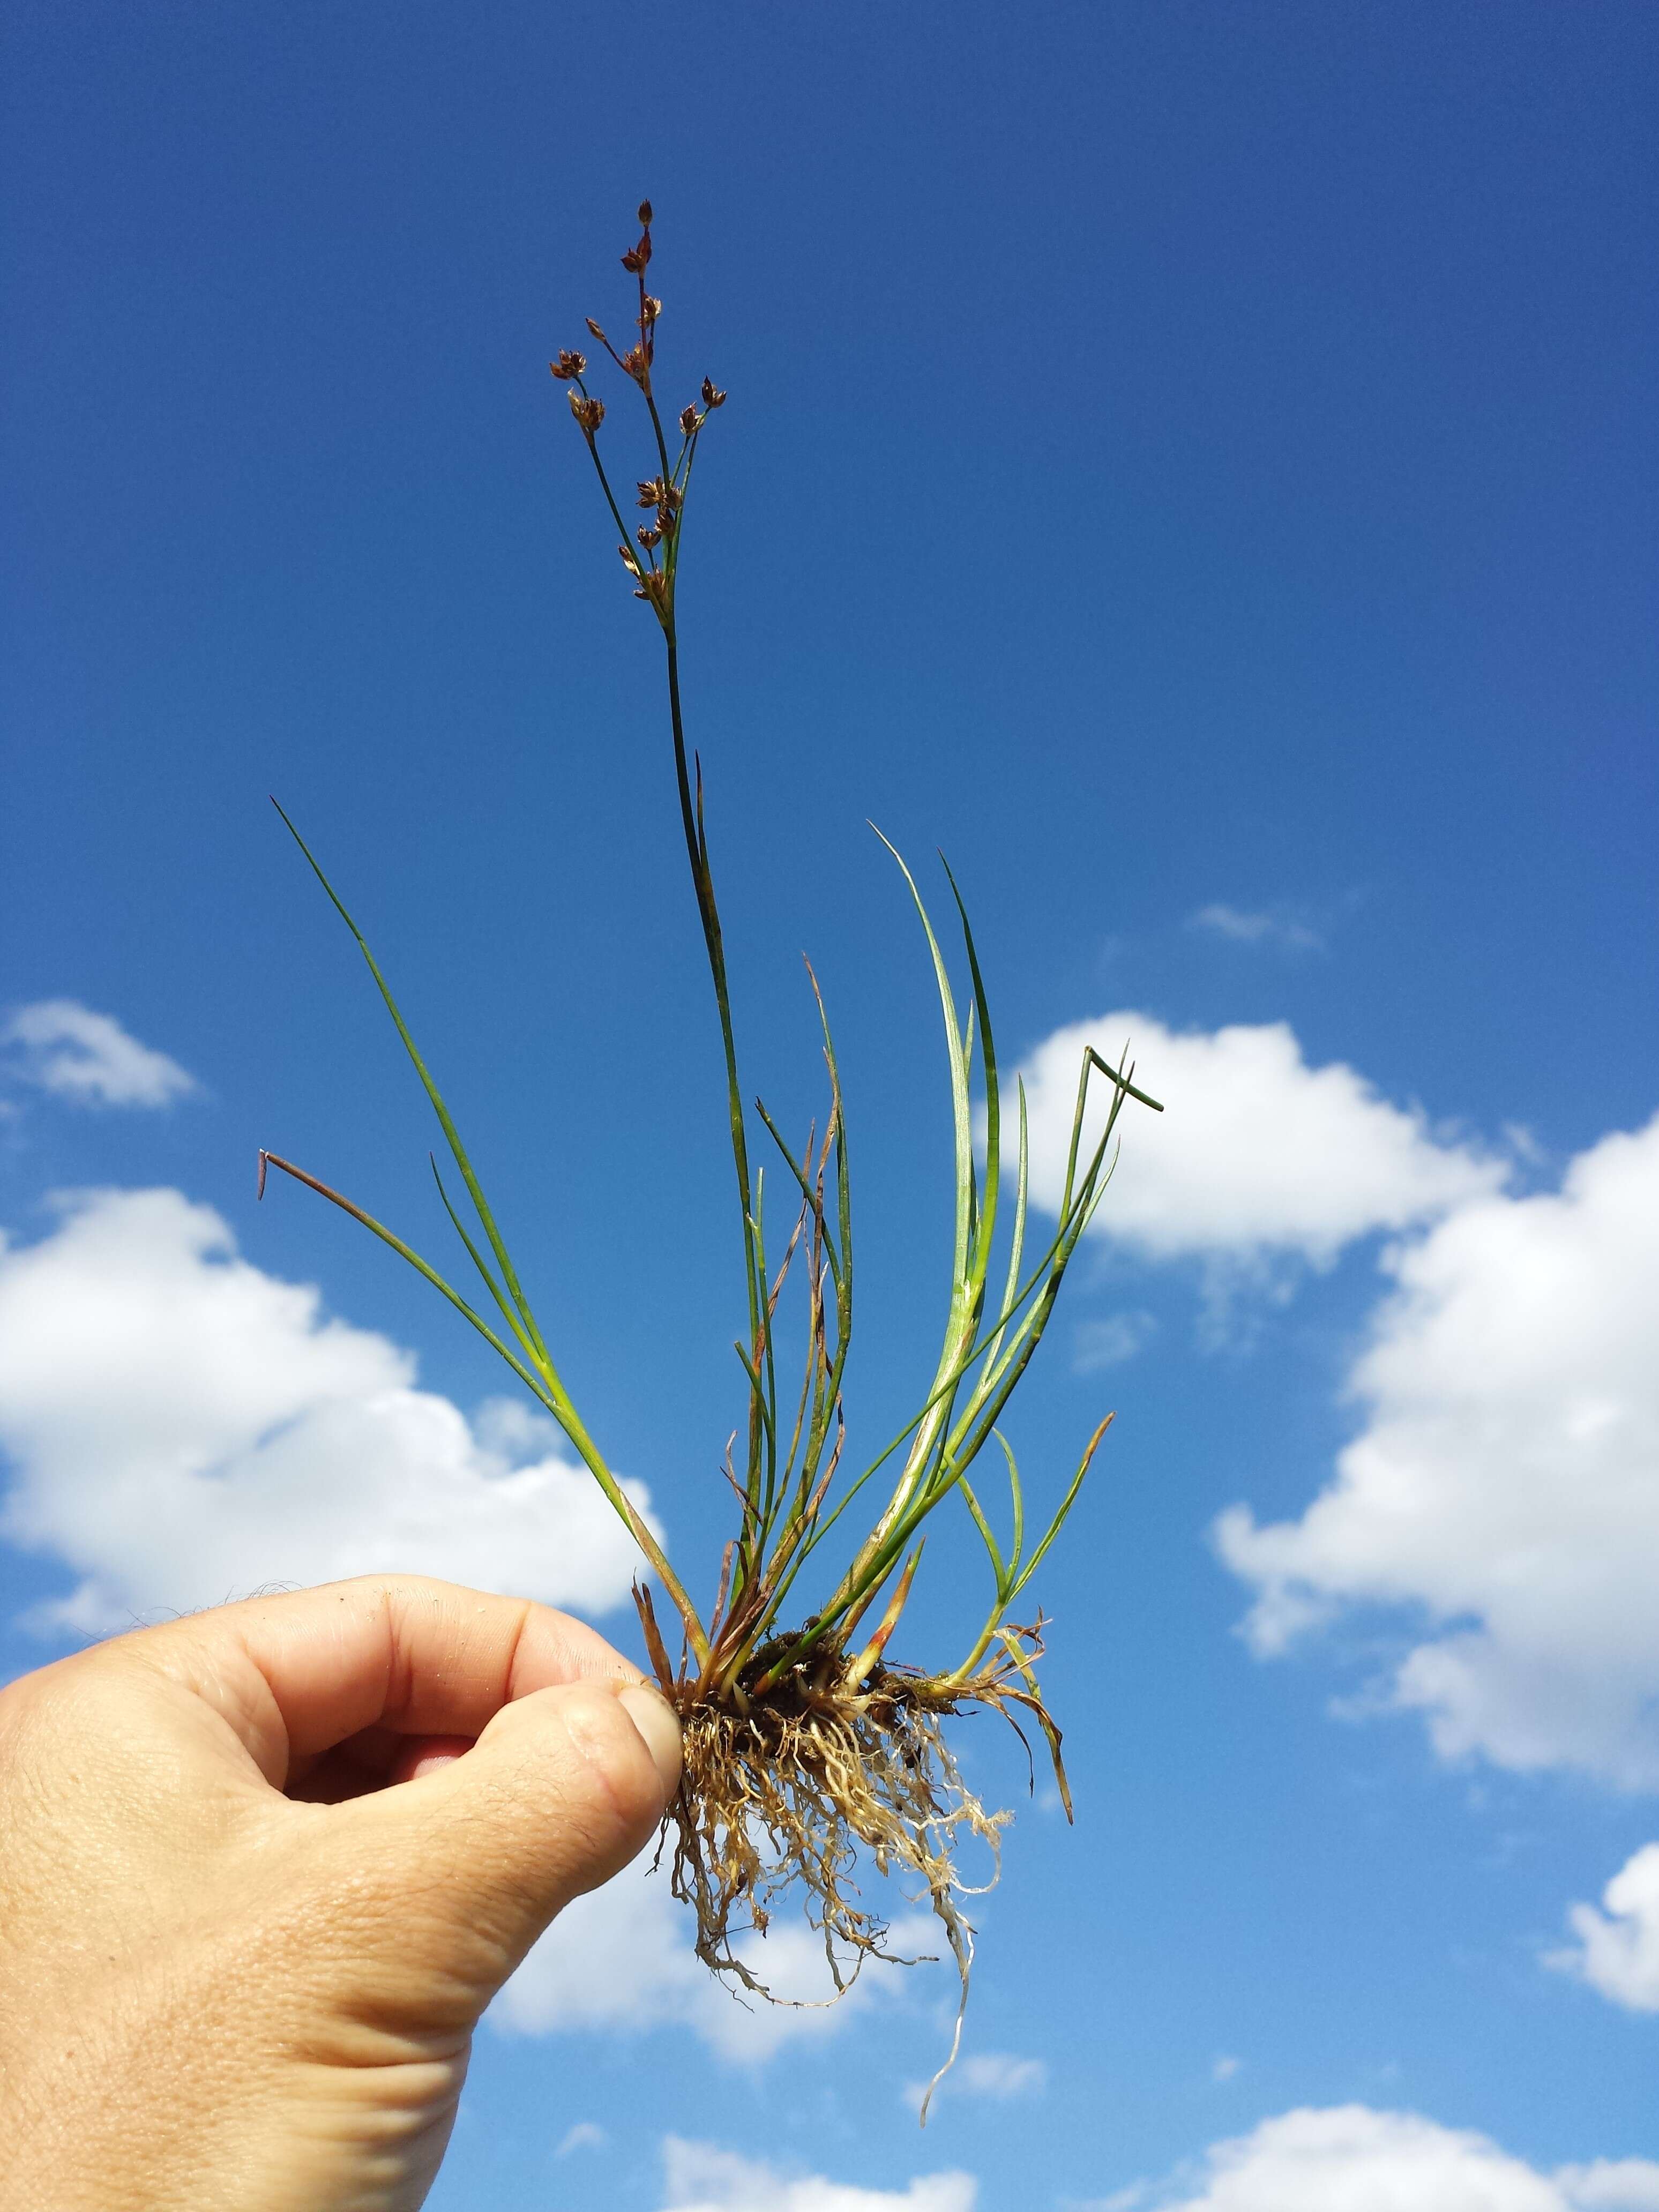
pixel 652 558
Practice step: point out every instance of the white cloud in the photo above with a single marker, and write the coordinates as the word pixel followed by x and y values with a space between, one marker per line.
pixel 702 2178
pixel 995 2076
pixel 183 1427
pixel 1110 1340
pixel 1224 2069
pixel 1612 2185
pixel 1256 1155
pixel 1353 2158
pixel 63 1046
pixel 1277 927
pixel 621 1959
pixel 1505 1486
pixel 1618 1949
pixel 586 2135
pixel 1000 2074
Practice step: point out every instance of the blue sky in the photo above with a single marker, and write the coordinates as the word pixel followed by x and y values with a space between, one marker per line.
pixel 1196 466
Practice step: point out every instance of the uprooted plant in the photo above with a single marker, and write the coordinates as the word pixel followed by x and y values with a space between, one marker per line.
pixel 807 1749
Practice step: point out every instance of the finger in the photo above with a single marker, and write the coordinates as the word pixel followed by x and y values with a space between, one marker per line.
pixel 427 1754
pixel 295 1675
pixel 371 1760
pixel 562 1789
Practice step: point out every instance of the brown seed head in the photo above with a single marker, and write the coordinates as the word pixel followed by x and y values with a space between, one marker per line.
pixel 637 362
pixel 569 364
pixel 589 413
pixel 629 561
pixel 690 420
pixel 644 215
pixel 711 397
pixel 652 308
pixel 636 257
pixel 650 491
pixel 597 331
pixel 649 538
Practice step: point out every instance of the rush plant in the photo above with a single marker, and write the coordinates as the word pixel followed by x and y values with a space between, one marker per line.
pixel 809 1749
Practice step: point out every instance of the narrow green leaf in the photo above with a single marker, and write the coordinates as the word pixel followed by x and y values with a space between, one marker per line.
pixel 961 1113
pixel 1065 1506
pixel 1018 1544
pixel 989 1542
pixel 508 1311
pixel 981 1006
pixel 452 1135
pixel 533 1383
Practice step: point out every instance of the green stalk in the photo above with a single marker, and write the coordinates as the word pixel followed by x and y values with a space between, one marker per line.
pixel 697 848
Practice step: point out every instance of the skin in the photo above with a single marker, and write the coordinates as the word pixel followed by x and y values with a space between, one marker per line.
pixel 262 1870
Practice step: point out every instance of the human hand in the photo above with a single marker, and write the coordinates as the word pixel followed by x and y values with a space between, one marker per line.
pixel 253 1897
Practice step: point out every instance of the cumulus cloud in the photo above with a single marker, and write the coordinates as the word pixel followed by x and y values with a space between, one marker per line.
pixel 1505 1486
pixel 1353 2158
pixel 1000 2074
pixel 1612 2185
pixel 1259 1156
pixel 995 2076
pixel 183 1427
pixel 1241 928
pixel 1110 1340
pixel 621 1959
pixel 60 1046
pixel 702 2178
pixel 1618 1947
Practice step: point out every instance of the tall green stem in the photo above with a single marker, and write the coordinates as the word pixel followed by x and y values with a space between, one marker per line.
pixel 697 848
pixel 697 852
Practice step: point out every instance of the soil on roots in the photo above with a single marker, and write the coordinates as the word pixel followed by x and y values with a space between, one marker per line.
pixel 788 1794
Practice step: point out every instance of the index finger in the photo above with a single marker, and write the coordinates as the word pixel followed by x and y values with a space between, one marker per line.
pixel 296 1674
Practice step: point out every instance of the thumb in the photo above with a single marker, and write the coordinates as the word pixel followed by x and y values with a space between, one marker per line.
pixel 563 1788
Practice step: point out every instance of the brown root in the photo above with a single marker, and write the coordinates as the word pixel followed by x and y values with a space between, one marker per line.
pixel 785 1787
